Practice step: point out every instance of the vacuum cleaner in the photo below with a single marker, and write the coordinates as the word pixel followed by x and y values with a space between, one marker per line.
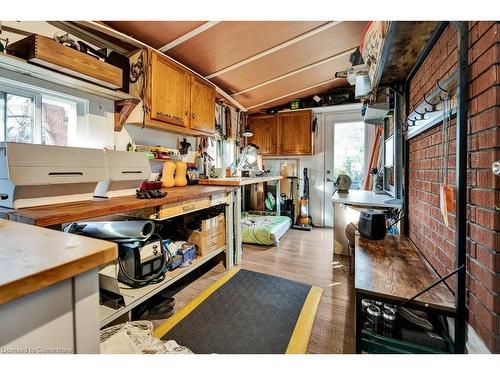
pixel 304 220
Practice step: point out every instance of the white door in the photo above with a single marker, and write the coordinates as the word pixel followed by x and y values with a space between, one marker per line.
pixel 346 139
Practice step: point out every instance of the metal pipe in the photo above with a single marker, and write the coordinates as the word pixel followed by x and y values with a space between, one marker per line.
pixel 461 183
pixel 398 146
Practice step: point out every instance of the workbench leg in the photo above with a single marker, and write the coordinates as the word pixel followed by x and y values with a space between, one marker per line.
pixel 229 232
pixel 85 313
pixel 237 227
pixel 278 198
pixel 358 324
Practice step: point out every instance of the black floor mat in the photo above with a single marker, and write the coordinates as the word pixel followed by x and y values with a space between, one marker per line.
pixel 251 313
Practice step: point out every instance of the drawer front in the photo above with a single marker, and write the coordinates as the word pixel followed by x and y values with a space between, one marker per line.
pixel 175 209
pixel 208 241
pixel 209 244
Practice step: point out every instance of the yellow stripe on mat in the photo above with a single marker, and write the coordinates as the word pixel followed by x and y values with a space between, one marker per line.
pixel 302 331
pixel 182 313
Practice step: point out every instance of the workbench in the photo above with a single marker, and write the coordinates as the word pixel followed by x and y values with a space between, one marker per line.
pixel 49 289
pixel 239 183
pixel 392 270
pixel 178 201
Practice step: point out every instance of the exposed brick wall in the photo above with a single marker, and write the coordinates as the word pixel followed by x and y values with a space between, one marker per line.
pixel 427 230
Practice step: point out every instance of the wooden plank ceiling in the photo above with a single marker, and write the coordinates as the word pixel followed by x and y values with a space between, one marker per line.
pixel 262 64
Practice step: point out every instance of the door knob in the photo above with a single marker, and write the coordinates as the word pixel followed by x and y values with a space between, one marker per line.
pixel 328 179
pixel 495 168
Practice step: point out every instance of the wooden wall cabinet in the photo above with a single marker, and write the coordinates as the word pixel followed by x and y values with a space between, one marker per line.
pixel 265 133
pixel 169 92
pixel 202 105
pixel 178 100
pixel 295 133
pixel 283 134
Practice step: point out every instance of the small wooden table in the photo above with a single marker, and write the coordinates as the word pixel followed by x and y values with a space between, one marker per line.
pixel 392 270
pixel 240 182
pixel 344 207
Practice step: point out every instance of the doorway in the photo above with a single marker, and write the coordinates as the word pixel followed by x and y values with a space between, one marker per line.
pixel 346 139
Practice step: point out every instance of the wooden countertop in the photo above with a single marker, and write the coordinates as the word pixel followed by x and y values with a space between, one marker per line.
pixel 238 181
pixel 366 198
pixel 67 212
pixel 393 268
pixel 33 258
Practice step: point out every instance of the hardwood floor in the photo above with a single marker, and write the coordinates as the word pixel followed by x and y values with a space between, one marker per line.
pixel 304 257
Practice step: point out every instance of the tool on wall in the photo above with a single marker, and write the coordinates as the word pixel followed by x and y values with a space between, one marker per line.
pixel 446 193
pixel 229 119
pixel 184 147
pixel 138 70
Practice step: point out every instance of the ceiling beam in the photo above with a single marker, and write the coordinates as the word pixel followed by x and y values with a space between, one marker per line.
pixel 189 35
pixel 294 93
pixel 297 71
pixel 274 49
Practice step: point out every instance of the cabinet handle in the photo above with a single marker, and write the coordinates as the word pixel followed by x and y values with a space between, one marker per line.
pixel 186 113
pixel 194 115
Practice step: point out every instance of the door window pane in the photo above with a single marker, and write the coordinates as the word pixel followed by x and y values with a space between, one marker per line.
pixel 349 151
pixel 20 122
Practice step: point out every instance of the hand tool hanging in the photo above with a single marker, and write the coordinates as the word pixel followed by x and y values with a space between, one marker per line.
pixel 446 193
pixel 229 125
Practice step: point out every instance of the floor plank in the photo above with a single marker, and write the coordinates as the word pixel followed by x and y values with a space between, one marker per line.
pixel 304 257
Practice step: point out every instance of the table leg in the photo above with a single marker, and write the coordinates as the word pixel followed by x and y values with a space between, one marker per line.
pixel 358 324
pixel 278 199
pixel 237 227
pixel 229 232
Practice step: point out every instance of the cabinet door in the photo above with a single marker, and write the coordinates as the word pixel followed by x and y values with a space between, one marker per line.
pixel 295 133
pixel 169 92
pixel 202 105
pixel 264 133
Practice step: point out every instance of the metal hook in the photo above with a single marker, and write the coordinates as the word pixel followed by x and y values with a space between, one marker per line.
pixel 409 120
pixel 433 106
pixel 440 88
pixel 448 93
pixel 422 115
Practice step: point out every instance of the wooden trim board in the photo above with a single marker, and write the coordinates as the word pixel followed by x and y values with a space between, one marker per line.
pixel 57 214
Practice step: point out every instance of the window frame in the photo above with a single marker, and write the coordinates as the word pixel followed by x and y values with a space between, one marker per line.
pixel 36 116
pixel 37 94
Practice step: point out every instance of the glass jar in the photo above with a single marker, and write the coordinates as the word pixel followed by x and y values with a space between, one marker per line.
pixel 388 322
pixel 373 318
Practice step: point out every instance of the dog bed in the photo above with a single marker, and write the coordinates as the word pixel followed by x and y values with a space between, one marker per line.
pixel 264 230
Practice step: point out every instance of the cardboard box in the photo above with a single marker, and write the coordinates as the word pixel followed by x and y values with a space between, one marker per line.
pixel 211 237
